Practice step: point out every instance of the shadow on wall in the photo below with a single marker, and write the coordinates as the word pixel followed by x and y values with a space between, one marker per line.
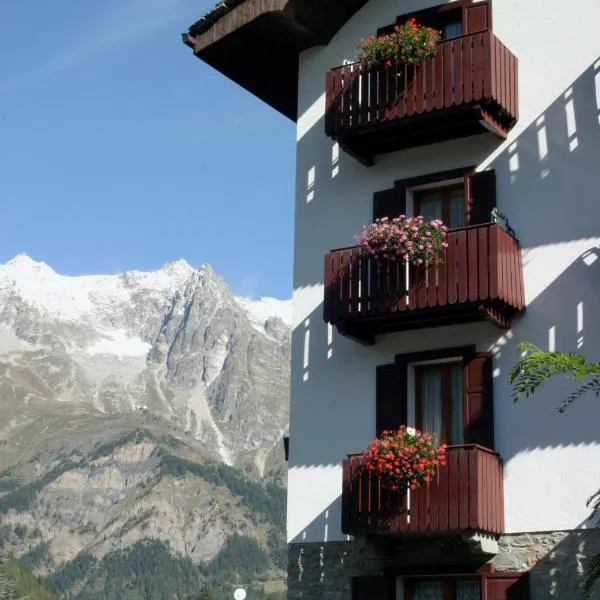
pixel 327 525
pixel 557 562
pixel 563 317
pixel 548 178
pixel 543 176
pixel 334 193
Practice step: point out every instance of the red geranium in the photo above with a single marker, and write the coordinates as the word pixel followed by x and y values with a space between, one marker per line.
pixel 404 459
pixel 409 43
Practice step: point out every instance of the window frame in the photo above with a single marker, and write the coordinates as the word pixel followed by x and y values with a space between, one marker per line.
pixel 444 367
pixel 449 582
pixel 438 15
pixel 446 191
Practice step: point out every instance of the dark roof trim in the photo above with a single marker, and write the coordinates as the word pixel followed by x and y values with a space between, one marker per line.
pixel 226 18
pixel 212 16
pixel 256 43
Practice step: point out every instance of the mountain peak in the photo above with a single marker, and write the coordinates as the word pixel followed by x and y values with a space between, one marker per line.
pixel 177 267
pixel 23 263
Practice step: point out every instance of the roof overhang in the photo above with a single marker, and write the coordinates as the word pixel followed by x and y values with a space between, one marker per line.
pixel 256 43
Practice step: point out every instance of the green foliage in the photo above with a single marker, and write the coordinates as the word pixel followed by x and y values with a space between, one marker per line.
pixel 71 573
pixel 205 594
pixel 8 484
pixel 278 550
pixel 241 556
pixel 147 571
pixel 36 557
pixel 20 582
pixel 537 366
pixel 269 501
pixel 22 498
pixel 132 437
pixel 533 370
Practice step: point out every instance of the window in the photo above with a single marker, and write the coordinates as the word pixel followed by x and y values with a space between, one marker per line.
pixel 453 386
pixel 439 401
pixel 443 589
pixel 452 29
pixel 446 203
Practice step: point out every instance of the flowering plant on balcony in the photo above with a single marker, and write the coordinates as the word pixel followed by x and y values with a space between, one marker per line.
pixel 410 239
pixel 409 43
pixel 404 459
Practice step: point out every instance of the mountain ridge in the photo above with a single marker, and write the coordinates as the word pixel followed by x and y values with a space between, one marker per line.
pixel 140 406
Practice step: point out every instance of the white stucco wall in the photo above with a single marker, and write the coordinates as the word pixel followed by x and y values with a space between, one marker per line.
pixel 548 177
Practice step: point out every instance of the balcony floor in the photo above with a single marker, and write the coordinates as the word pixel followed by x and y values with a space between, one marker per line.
pixel 363 329
pixel 367 142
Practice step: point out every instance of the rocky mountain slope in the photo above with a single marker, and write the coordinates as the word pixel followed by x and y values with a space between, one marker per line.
pixel 136 407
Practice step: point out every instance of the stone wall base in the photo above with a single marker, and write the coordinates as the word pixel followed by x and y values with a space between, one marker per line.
pixel 555 560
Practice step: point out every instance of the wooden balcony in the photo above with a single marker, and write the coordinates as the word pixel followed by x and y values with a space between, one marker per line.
pixel 467 494
pixel 479 276
pixel 468 87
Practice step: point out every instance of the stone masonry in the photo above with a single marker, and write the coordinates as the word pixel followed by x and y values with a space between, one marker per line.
pixel 556 562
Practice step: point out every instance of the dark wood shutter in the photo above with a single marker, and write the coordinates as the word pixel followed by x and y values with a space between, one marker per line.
pixel 480 197
pixel 505 586
pixel 476 17
pixel 373 588
pixel 389 203
pixel 479 400
pixel 391 403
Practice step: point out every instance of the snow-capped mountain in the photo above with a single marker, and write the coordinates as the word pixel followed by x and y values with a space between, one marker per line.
pixel 174 343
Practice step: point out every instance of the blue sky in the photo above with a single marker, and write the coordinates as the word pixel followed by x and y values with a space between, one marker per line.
pixel 121 150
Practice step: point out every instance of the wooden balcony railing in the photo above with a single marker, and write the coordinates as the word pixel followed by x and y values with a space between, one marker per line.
pixel 474 71
pixel 479 276
pixel 467 494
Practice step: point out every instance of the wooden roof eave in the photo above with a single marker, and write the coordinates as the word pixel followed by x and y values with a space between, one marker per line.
pixel 239 36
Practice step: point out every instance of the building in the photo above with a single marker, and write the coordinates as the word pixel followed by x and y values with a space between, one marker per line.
pixel 499 133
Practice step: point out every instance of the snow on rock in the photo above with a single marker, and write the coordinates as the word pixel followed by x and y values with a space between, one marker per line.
pixel 260 310
pixel 118 343
pixel 91 298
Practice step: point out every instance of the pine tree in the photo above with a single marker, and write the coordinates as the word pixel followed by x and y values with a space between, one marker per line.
pixel 7 589
pixel 533 370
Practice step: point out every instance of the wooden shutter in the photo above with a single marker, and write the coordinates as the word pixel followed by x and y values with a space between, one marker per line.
pixel 391 404
pixel 505 586
pixel 372 588
pixel 480 197
pixel 479 400
pixel 389 203
pixel 476 17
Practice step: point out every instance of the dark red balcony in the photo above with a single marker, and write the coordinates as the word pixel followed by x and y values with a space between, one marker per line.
pixel 468 87
pixel 479 276
pixel 467 495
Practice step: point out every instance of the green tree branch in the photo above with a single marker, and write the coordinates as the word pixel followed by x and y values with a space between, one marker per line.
pixel 534 369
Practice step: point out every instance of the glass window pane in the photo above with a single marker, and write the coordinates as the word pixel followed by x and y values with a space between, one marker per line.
pixel 431 402
pixel 468 590
pixel 429 590
pixel 456 399
pixel 453 29
pixel 457 209
pixel 430 206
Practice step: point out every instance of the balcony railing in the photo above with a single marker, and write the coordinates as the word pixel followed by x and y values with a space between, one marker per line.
pixel 479 276
pixel 468 87
pixel 467 494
